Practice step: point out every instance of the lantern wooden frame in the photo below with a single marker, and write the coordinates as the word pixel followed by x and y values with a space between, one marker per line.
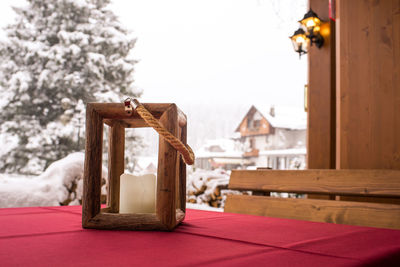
pixel 171 171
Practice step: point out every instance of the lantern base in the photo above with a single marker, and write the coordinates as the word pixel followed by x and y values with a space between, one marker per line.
pixel 139 221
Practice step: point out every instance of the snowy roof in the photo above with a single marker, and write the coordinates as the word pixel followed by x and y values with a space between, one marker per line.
pixel 227 154
pixel 290 151
pixel 285 117
pixel 220 148
pixel 231 160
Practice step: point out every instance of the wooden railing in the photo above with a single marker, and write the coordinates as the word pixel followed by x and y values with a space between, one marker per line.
pixel 253 153
pixel 374 183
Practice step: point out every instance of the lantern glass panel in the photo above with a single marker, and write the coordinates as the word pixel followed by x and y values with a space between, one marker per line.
pixel 300 43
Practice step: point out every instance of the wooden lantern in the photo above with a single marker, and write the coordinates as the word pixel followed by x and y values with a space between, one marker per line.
pixel 171 172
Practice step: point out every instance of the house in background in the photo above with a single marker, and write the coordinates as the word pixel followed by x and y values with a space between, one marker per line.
pixel 274 138
pixel 221 153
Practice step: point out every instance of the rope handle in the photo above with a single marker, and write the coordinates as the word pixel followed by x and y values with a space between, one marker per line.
pixel 185 150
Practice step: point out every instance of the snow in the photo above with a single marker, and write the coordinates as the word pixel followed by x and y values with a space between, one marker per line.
pixel 202 185
pixel 291 151
pixel 228 154
pixel 285 117
pixel 11 140
pixel 97 57
pixel 60 183
pixel 145 165
pixel 219 148
pixel 194 206
pixel 75 49
pixel 79 3
pixel 25 191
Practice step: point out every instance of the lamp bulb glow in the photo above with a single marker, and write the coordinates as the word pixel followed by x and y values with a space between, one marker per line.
pixel 300 39
pixel 310 23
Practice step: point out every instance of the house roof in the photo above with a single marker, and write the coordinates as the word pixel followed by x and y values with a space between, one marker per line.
pixel 227 147
pixel 285 117
pixel 284 152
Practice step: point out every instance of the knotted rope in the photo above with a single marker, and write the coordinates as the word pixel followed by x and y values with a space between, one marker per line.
pixel 184 149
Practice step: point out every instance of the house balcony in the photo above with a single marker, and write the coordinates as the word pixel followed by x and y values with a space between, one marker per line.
pixel 253 153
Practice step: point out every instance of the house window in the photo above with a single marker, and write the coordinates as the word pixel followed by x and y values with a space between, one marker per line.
pixel 252 143
pixel 256 123
pixel 249 123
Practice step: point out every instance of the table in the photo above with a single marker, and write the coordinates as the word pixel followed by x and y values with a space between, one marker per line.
pixel 53 236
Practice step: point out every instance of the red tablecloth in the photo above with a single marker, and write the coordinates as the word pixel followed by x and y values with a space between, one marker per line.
pixel 53 236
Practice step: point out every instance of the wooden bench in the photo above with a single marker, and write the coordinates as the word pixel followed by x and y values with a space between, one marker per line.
pixel 371 183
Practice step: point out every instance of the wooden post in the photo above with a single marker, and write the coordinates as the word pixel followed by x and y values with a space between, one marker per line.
pixel 92 167
pixel 368 86
pixel 166 172
pixel 321 95
pixel 321 132
pixel 116 147
pixel 182 173
pixel 368 79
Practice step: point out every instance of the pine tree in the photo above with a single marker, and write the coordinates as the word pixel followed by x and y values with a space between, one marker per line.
pixel 60 54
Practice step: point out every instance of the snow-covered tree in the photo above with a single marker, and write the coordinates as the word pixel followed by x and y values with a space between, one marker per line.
pixel 59 55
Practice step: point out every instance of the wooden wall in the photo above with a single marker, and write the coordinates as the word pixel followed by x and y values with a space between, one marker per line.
pixel 368 84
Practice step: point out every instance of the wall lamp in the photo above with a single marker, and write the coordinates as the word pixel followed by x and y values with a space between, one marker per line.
pixel 308 33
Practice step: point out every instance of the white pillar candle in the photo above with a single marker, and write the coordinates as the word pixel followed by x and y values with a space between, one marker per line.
pixel 137 193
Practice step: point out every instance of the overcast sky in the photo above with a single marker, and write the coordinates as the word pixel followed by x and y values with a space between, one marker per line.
pixel 208 51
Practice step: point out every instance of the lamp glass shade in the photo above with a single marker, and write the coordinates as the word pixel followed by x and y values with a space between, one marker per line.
pixel 310 21
pixel 300 41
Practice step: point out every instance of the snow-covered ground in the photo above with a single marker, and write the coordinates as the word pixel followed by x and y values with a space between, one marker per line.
pixel 60 184
pixel 194 206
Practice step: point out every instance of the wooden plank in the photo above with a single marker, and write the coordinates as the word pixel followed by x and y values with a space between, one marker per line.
pixel 127 123
pixel 167 170
pixel 347 182
pixel 321 128
pixel 117 110
pixel 182 172
pixel 368 84
pixel 93 165
pixel 182 119
pixel 116 221
pixel 181 182
pixel 112 112
pixel 116 166
pixel 341 212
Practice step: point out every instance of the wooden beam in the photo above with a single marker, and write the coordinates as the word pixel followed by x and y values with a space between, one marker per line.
pixel 321 95
pixel 116 166
pixel 117 110
pixel 166 172
pixel 93 165
pixel 116 221
pixel 383 183
pixel 341 212
pixel 182 174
